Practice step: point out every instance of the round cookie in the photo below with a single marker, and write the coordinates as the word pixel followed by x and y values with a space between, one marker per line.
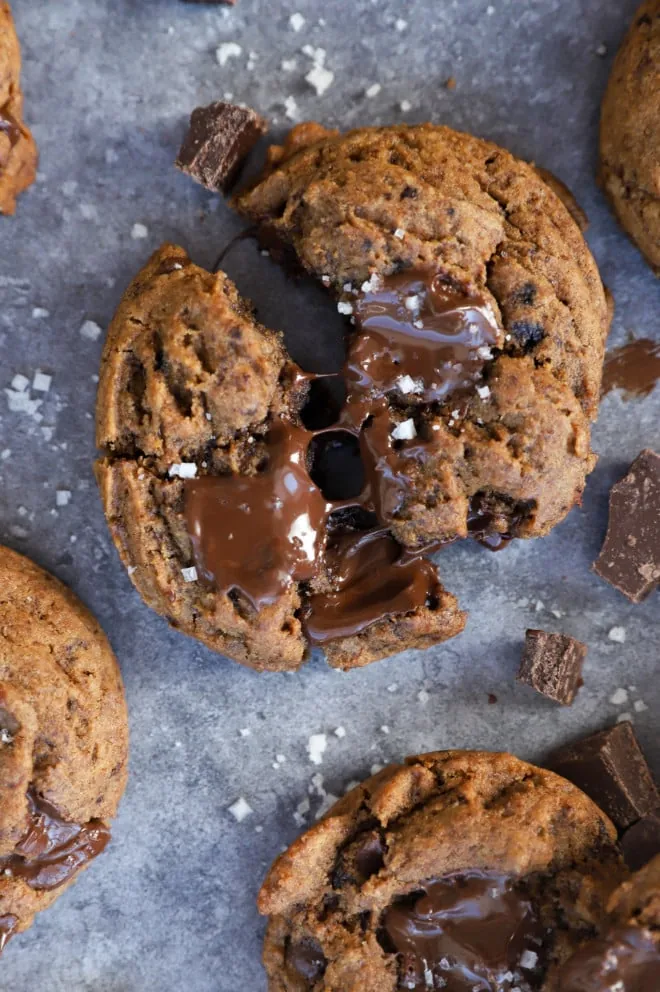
pixel 458 870
pixel 627 956
pixel 630 133
pixel 18 152
pixel 63 740
pixel 199 417
pixel 387 217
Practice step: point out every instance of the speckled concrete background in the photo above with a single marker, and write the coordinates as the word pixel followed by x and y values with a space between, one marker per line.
pixel 108 86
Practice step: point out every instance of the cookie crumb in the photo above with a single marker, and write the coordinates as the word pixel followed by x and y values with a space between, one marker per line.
pixel 450 83
pixel 240 810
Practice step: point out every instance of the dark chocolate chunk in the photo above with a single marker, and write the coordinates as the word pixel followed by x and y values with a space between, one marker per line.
pixel 641 842
pixel 528 333
pixel 307 958
pixel 611 768
pixel 552 664
pixel 630 556
pixel 219 139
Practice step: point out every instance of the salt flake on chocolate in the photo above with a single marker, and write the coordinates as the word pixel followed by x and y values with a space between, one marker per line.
pixel 183 470
pixel 405 431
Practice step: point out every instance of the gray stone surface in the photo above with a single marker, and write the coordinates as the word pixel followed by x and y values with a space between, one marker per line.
pixel 108 86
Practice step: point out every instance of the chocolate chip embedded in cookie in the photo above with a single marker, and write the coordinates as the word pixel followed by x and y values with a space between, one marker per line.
pixel 459 870
pixel 18 153
pixel 476 306
pixel 626 958
pixel 630 133
pixel 209 487
pixel 63 740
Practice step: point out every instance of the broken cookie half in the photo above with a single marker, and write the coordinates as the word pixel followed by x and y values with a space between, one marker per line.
pixel 207 481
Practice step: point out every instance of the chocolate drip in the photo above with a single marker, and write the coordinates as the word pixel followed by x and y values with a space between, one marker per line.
pixel 10 126
pixel 8 926
pixel 634 368
pixel 418 338
pixel 372 577
pixel 52 850
pixel 626 959
pixel 465 932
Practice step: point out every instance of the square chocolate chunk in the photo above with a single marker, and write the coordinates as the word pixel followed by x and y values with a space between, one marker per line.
pixel 219 139
pixel 611 768
pixel 630 556
pixel 552 664
pixel 641 842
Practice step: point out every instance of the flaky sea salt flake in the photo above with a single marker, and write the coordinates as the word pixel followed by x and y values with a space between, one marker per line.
pixel 316 746
pixel 296 21
pixel 189 574
pixel 372 90
pixel 139 232
pixel 617 634
pixel 183 470
pixel 405 431
pixel 90 330
pixel 41 382
pixel 62 497
pixel 227 50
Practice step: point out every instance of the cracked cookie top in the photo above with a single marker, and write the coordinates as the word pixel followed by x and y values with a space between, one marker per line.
pixel 63 739
pixel 457 870
pixel 630 133
pixel 381 212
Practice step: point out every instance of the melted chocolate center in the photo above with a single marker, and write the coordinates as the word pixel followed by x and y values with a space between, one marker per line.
pixel 627 960
pixel 261 533
pixel 467 932
pixel 53 849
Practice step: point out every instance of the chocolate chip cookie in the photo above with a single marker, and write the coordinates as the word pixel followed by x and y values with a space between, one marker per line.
pixel 627 955
pixel 18 152
pixel 459 870
pixel 630 133
pixel 477 313
pixel 63 740
pixel 209 486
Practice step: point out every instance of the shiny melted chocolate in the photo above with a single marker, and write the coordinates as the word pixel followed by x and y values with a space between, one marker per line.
pixel 633 368
pixel 260 533
pixel 52 850
pixel 627 960
pixel 419 340
pixel 372 577
pixel 467 932
pixel 307 959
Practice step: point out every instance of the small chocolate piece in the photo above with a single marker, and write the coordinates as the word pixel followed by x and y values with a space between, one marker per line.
pixel 307 958
pixel 611 768
pixel 552 664
pixel 641 842
pixel 219 139
pixel 634 368
pixel 630 556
